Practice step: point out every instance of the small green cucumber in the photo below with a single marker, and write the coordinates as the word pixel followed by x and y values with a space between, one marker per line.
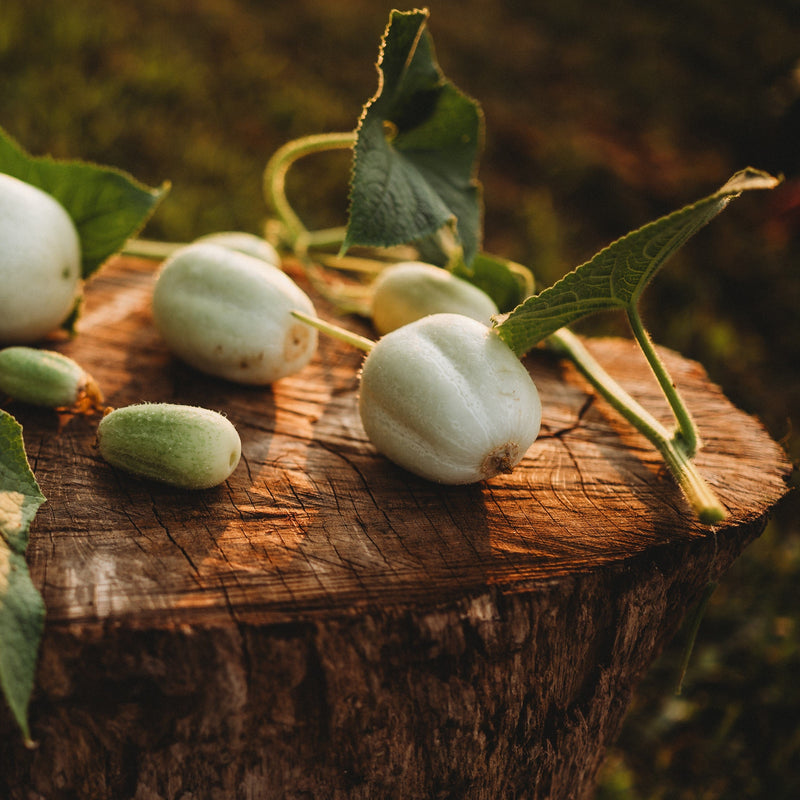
pixel 185 446
pixel 46 378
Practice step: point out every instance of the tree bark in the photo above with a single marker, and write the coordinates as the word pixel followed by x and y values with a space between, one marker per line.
pixel 326 625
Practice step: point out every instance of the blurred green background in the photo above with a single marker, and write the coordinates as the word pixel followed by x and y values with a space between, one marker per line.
pixel 600 117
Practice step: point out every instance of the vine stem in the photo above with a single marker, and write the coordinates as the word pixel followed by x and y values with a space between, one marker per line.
pixel 677 448
pixel 698 493
pixel 274 181
pixel 687 429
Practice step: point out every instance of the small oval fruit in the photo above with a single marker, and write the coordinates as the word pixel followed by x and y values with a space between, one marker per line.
pixel 243 242
pixel 185 446
pixel 40 262
pixel 408 290
pixel 444 397
pixel 47 378
pixel 228 314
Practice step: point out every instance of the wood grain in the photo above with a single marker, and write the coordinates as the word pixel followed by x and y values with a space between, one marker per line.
pixel 314 521
pixel 326 624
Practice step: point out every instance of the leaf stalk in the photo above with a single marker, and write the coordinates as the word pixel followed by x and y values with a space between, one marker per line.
pixel 698 493
pixel 686 435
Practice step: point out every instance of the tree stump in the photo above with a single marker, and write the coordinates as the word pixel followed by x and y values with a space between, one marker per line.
pixel 326 625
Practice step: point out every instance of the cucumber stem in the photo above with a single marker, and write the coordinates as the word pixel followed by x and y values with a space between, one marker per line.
pixel 326 237
pixel 354 339
pixel 148 248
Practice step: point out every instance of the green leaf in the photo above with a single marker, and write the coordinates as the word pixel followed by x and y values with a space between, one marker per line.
pixel 21 605
pixel 20 496
pixel 416 151
pixel 616 277
pixel 107 205
pixel 496 277
pixel 21 625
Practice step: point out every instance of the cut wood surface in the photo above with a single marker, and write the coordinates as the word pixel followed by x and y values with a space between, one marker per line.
pixel 326 624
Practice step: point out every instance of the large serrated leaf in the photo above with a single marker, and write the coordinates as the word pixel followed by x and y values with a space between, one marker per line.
pixel 107 205
pixel 616 277
pixel 416 151
pixel 21 605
